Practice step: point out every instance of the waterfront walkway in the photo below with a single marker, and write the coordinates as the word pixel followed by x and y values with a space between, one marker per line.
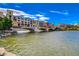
pixel 19 30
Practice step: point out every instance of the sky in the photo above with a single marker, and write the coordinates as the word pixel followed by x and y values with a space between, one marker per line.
pixel 56 13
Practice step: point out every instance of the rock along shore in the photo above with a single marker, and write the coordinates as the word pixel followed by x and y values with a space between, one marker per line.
pixel 4 52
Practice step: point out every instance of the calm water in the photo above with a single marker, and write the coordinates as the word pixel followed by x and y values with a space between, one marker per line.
pixel 43 44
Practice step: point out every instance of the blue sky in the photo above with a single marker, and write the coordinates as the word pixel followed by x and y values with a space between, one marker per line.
pixel 56 13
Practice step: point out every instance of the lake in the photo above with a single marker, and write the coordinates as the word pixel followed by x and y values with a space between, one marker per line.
pixel 56 43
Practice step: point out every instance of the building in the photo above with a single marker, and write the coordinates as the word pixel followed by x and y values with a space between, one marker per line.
pixel 18 21
pixel 41 24
pixel 23 22
pixel 9 14
pixel 1 14
pixel 28 22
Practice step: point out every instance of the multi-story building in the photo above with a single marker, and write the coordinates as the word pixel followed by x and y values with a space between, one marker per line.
pixel 28 22
pixel 16 21
pixel 41 24
pixel 23 22
pixel 35 24
pixel 1 14
pixel 9 14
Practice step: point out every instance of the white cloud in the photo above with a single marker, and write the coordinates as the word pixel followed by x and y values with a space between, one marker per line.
pixel 44 18
pixel 45 21
pixel 32 17
pixel 39 15
pixel 58 12
pixel 15 12
pixel 29 15
pixel 75 23
pixel 19 12
pixel 3 10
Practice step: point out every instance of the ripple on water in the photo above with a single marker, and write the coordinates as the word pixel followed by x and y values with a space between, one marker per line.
pixel 50 43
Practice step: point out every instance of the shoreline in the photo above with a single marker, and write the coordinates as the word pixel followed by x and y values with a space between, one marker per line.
pixel 4 52
pixel 6 34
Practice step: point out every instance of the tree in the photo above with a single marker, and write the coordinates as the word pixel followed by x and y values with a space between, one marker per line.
pixel 7 23
pixel 1 23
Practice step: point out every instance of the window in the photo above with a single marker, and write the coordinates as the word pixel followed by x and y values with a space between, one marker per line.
pixel 22 23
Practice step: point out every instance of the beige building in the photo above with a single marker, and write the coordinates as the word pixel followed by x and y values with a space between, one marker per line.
pixel 16 21
pixel 14 24
pixel 1 14
pixel 20 21
pixel 9 14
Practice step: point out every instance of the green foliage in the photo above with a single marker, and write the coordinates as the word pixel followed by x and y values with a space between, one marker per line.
pixel 43 29
pixel 1 23
pixel 71 28
pixel 5 23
